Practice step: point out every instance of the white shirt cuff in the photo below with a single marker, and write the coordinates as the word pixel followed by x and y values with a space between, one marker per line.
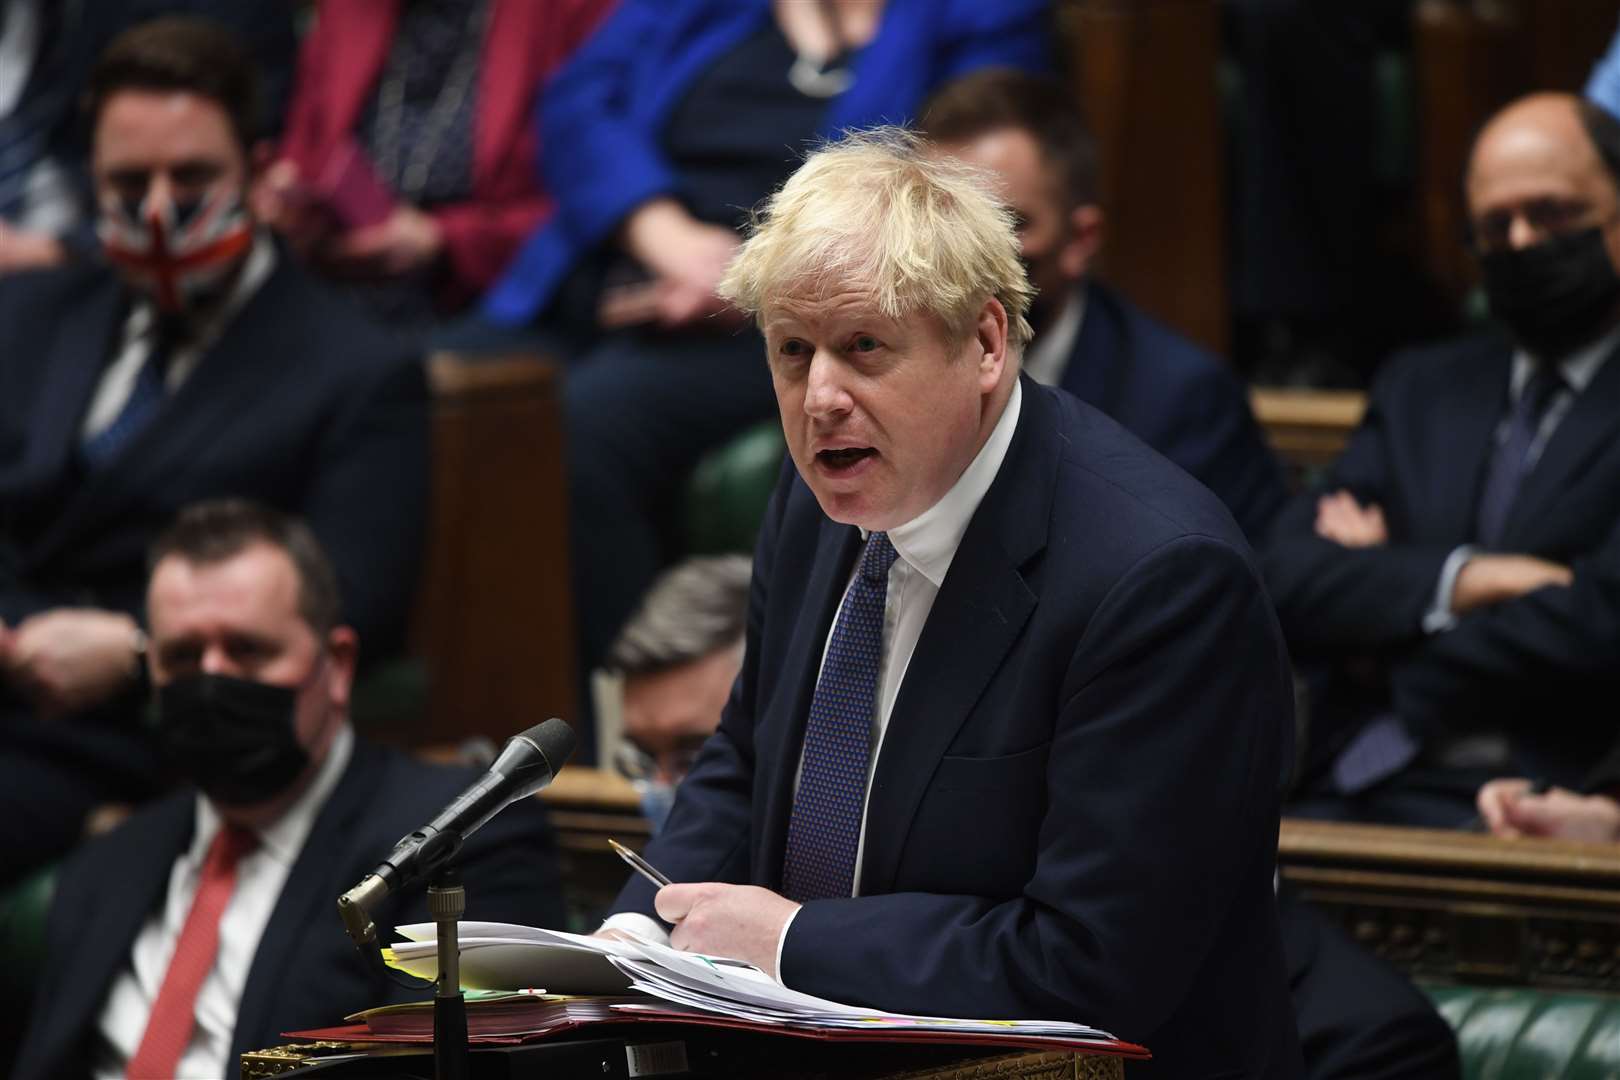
pixel 1440 618
pixel 782 940
pixel 637 923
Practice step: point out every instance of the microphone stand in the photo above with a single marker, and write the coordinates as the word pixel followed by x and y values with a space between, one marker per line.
pixel 447 901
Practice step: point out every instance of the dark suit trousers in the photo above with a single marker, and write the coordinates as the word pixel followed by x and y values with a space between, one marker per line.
pixel 641 408
pixel 1359 1018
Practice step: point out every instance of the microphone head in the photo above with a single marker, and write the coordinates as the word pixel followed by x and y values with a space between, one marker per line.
pixel 554 739
pixel 531 758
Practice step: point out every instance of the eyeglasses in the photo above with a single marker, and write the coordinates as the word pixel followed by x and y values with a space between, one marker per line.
pixel 635 764
pixel 1545 217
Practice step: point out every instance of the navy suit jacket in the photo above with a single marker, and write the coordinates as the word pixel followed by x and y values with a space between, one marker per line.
pixel 299 404
pixel 1180 400
pixel 1541 668
pixel 1074 811
pixel 307 972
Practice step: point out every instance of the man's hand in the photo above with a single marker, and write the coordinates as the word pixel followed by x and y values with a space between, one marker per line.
pixel 1341 519
pixel 1509 809
pixel 743 922
pixel 1491 579
pixel 69 659
pixel 26 249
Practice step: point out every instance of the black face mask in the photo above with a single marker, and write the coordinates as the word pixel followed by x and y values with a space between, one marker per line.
pixel 1555 296
pixel 233 738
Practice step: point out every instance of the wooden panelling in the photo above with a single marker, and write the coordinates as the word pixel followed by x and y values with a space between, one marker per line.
pixel 1144 75
pixel 494 620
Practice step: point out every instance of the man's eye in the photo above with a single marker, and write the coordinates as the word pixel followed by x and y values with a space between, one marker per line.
pixel 793 347
pixel 864 343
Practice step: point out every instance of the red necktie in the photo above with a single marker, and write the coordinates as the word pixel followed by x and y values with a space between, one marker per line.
pixel 174 1013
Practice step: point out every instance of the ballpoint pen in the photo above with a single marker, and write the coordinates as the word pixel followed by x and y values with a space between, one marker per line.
pixel 640 865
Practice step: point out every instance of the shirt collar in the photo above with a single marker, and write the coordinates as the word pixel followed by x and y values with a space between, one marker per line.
pixel 928 542
pixel 1048 355
pixel 283 838
pixel 256 269
pixel 1578 369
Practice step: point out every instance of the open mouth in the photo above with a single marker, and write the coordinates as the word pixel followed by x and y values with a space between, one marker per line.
pixel 844 458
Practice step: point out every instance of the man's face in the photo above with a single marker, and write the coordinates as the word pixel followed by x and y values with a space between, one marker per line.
pixel 1058 242
pixel 1535 175
pixel 669 714
pixel 881 416
pixel 171 157
pixel 240 618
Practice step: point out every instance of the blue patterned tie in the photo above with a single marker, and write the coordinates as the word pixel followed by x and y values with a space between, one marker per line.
pixel 826 825
pixel 145 398
pixel 1510 458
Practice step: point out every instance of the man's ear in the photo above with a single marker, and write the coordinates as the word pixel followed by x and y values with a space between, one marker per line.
pixel 1084 243
pixel 343 653
pixel 991 343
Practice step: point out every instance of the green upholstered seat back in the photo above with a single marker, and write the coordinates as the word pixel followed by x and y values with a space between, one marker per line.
pixel 729 490
pixel 1523 1034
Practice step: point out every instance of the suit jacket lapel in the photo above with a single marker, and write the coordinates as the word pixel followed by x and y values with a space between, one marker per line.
pixel 979 613
pixel 82 347
pixel 780 735
pixel 1586 429
pixel 1460 438
pixel 308 896
pixel 218 393
pixel 138 873
pixel 1098 356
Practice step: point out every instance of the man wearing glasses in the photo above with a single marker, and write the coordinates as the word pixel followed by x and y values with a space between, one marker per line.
pixel 1454 586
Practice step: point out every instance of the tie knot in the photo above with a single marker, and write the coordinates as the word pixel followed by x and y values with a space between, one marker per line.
pixel 877 557
pixel 1541 389
pixel 230 844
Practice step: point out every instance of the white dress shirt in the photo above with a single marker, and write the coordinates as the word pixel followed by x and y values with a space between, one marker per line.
pixel 1578 370
pixel 259 878
pixel 138 337
pixel 926 546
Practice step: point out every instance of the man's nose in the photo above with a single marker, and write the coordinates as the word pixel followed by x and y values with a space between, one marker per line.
pixel 216 661
pixel 825 393
pixel 159 190
pixel 1522 233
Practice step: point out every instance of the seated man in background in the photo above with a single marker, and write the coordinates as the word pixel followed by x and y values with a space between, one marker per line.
pixel 206 924
pixel 1454 580
pixel 47 49
pixel 207 365
pixel 675 661
pixel 1014 710
pixel 1091 341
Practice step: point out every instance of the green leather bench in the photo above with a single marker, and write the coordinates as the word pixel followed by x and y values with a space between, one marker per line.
pixel 1509 1033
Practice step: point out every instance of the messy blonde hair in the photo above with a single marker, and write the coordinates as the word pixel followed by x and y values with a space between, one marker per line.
pixel 923 231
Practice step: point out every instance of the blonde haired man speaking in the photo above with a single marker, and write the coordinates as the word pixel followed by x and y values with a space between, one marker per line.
pixel 1014 709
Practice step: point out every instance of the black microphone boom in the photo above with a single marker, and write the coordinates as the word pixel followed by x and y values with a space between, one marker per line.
pixel 526 764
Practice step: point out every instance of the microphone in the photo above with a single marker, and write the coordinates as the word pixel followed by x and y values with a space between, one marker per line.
pixel 526 764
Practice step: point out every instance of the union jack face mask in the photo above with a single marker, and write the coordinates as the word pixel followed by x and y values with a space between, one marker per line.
pixel 181 253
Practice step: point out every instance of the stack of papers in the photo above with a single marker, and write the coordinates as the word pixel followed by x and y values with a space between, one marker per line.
pixel 502 956
pixel 496 1012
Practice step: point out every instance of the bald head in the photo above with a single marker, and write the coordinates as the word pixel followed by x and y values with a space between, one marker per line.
pixel 1545 212
pixel 1535 170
